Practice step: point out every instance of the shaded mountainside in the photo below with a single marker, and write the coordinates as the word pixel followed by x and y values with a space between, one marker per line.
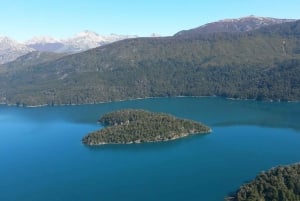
pixel 280 184
pixel 263 64
pixel 137 126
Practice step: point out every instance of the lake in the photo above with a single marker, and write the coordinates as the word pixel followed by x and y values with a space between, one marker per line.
pixel 42 158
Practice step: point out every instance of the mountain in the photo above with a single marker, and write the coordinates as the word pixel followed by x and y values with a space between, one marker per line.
pixel 262 64
pixel 44 44
pixel 86 40
pixel 233 25
pixel 10 49
pixel 80 42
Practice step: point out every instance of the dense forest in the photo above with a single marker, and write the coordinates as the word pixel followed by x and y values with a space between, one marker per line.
pixel 137 126
pixel 278 184
pixel 263 64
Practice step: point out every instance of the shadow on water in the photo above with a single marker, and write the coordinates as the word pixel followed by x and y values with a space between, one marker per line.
pixel 295 127
pixel 209 110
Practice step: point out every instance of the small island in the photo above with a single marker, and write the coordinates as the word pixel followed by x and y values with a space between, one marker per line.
pixel 138 126
pixel 281 184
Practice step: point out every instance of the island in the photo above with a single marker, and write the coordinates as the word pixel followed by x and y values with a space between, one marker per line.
pixel 138 126
pixel 281 184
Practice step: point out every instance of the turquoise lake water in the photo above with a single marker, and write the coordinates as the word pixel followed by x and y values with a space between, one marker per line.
pixel 42 158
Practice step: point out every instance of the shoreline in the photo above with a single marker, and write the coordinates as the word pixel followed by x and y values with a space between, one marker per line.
pixel 144 98
pixel 157 141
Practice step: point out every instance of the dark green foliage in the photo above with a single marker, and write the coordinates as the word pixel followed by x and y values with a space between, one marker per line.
pixel 263 64
pixel 278 184
pixel 135 126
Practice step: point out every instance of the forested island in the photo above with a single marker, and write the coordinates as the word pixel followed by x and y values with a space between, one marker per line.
pixel 137 126
pixel 280 184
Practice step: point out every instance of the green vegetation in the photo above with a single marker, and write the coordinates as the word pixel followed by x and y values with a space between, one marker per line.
pixel 263 64
pixel 136 126
pixel 278 184
pixel 30 59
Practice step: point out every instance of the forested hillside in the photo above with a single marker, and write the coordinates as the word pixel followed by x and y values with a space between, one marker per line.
pixel 263 64
pixel 280 184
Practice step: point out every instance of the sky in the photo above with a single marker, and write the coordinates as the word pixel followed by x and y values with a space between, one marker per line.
pixel 23 19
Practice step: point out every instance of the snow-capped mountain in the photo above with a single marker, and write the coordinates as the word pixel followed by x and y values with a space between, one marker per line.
pixel 83 41
pixel 44 44
pixel 10 49
pixel 42 40
pixel 243 24
pixel 80 42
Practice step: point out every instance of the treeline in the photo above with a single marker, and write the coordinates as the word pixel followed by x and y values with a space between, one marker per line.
pixel 280 82
pixel 278 184
pixel 137 126
pixel 127 116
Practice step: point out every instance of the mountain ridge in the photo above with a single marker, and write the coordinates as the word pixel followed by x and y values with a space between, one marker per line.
pixel 86 39
pixel 243 24
pixel 79 42
pixel 11 49
pixel 262 64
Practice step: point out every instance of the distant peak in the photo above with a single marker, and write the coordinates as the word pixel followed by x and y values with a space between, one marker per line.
pixel 242 24
pixel 155 35
pixel 42 40
pixel 240 19
pixel 4 38
pixel 86 33
pixel 254 17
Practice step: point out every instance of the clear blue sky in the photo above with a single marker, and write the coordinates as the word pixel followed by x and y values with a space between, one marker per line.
pixel 22 19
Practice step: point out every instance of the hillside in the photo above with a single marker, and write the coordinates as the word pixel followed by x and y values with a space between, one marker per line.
pixel 30 59
pixel 263 64
pixel 137 126
pixel 280 184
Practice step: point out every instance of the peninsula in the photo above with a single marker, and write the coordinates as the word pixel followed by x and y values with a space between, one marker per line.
pixel 137 126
